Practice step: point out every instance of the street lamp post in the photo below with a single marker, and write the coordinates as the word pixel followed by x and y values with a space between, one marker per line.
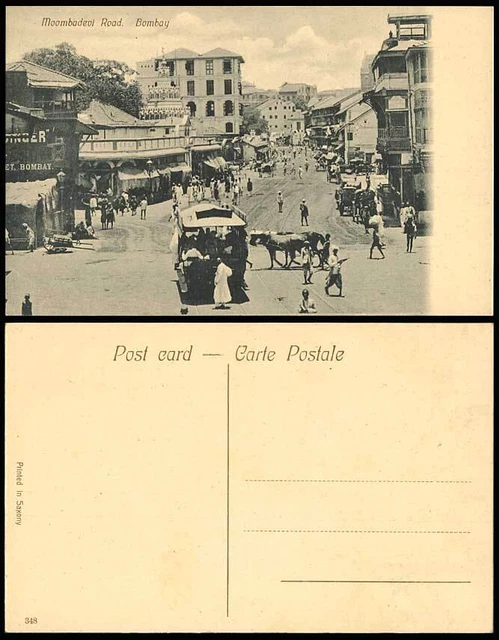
pixel 149 171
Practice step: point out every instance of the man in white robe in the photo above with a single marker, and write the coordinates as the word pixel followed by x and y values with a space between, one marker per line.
pixel 222 292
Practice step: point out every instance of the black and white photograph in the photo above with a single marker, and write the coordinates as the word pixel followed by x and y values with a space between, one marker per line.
pixel 219 161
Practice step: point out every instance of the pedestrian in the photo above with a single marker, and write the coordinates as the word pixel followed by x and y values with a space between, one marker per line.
pixel 300 173
pixel 304 213
pixel 27 307
pixel 280 201
pixel 306 165
pixel 410 229
pixel 133 205
pixel 403 215
pixel 376 244
pixel 216 191
pixel 249 186
pixel 235 194
pixel 8 244
pixel 334 276
pixel 222 294
pixel 306 261
pixel 326 250
pixel 307 304
pixel 126 200
pixel 30 236
pixel 143 208
pixel 189 193
pixel 93 205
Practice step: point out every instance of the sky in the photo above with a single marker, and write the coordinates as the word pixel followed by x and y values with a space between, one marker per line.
pixel 317 45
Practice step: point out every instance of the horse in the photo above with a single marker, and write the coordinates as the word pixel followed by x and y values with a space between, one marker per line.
pixel 289 243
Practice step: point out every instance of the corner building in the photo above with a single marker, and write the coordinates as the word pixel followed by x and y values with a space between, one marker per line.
pixel 209 84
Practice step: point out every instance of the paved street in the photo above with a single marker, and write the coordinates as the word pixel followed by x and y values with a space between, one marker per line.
pixel 130 272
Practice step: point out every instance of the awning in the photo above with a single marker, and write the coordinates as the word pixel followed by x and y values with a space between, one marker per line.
pixel 26 193
pixel 220 162
pixel 130 155
pixel 136 174
pixel 206 147
pixel 209 215
pixel 210 162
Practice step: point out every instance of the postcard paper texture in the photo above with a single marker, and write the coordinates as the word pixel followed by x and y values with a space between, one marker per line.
pixel 255 478
pixel 132 130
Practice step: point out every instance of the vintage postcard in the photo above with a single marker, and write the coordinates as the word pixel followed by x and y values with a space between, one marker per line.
pixel 184 160
pixel 278 477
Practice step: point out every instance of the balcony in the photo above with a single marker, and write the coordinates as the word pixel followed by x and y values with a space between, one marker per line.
pixel 393 139
pixel 392 82
pixel 56 108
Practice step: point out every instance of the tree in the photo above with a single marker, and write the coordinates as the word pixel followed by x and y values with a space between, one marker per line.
pixel 252 120
pixel 105 80
pixel 300 103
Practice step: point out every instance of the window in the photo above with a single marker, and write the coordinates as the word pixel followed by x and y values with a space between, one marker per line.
pixel 210 108
pixel 190 88
pixel 167 131
pixel 189 67
pixel 284 115
pixel 192 108
pixel 228 87
pixel 228 108
pixel 240 88
pixel 209 67
pixel 350 135
pixel 270 108
pixel 270 117
pixel 227 66
pixel 241 109
pixel 421 67
pixel 210 87
pixel 229 127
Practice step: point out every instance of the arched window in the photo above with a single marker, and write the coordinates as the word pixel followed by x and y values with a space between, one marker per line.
pixel 228 108
pixel 241 109
pixel 192 108
pixel 210 108
pixel 229 127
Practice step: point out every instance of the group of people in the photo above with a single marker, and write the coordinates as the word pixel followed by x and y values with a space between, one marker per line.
pixel 333 263
pixel 29 235
pixel 110 207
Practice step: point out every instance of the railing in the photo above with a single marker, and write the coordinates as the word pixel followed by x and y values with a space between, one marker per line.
pixel 393 133
pixel 391 81
pixel 56 107
pixel 145 144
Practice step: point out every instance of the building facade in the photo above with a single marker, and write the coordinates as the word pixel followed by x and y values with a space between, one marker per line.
pixel 43 136
pixel 210 85
pixel 278 114
pixel 130 152
pixel 419 73
pixel 390 100
pixel 293 90
pixel 254 97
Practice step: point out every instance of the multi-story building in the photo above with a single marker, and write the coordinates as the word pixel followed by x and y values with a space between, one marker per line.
pixel 254 97
pixel 297 123
pixel 129 152
pixel 389 98
pixel 43 137
pixel 278 114
pixel 293 90
pixel 366 76
pixel 209 84
pixel 419 68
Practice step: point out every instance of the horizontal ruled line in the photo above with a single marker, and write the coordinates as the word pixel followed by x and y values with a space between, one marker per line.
pixel 344 531
pixel 367 481
pixel 384 581
pixel 213 354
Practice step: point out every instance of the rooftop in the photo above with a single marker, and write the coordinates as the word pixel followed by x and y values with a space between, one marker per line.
pixel 296 86
pixel 42 77
pixel 188 54
pixel 106 115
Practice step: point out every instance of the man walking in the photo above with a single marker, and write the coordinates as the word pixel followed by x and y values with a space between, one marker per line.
pixel 280 200
pixel 304 213
pixel 410 229
pixel 376 244
pixel 143 208
pixel 30 236
pixel 8 244
pixel 334 275
pixel 27 307
pixel 306 261
pixel 249 187
pixel 300 173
